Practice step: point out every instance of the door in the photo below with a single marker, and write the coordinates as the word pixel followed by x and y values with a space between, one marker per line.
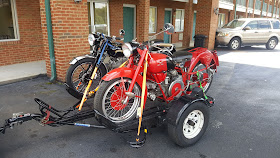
pixel 167 19
pixel 264 31
pixel 128 23
pixel 194 23
pixel 250 36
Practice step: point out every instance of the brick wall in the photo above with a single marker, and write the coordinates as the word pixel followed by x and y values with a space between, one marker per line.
pixel 207 21
pixel 30 46
pixel 70 32
pixel 116 18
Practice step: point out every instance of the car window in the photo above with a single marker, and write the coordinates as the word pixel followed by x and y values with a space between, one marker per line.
pixel 253 25
pixel 234 24
pixel 276 24
pixel 264 24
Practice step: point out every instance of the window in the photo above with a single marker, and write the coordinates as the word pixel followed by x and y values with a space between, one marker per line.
pixel 222 20
pixel 276 24
pixel 251 3
pixel 153 20
pixel 264 7
pixel 264 24
pixel 253 25
pixel 8 20
pixel 98 17
pixel 179 21
pixel 258 5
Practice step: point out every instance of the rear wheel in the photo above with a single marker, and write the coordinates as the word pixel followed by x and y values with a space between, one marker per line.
pixel 204 77
pixel 271 44
pixel 79 74
pixel 111 100
pixel 191 125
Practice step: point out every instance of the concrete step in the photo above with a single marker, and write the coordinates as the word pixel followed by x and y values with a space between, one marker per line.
pixel 22 71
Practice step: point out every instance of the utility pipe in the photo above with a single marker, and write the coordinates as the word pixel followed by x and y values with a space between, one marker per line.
pixel 235 9
pixel 50 40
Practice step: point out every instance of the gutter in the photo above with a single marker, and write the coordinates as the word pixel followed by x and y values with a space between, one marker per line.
pixel 50 40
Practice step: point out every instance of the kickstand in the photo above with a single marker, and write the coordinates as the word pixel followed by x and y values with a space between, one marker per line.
pixel 139 143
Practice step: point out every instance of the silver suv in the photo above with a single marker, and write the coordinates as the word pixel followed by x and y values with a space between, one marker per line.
pixel 248 32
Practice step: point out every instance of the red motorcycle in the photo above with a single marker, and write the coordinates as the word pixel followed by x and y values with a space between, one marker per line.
pixel 158 76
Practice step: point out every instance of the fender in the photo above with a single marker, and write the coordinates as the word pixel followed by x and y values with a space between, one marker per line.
pixel 205 58
pixel 179 106
pixel 125 72
pixel 77 59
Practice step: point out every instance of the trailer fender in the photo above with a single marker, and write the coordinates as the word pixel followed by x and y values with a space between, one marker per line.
pixel 178 107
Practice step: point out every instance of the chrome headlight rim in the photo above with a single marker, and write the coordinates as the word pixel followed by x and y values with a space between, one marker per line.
pixel 127 49
pixel 91 39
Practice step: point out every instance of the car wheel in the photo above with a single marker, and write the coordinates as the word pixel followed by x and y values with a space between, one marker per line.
pixel 271 44
pixel 234 43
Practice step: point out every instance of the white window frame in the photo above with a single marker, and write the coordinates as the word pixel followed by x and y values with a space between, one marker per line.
pixel 92 13
pixel 182 29
pixel 15 23
pixel 155 20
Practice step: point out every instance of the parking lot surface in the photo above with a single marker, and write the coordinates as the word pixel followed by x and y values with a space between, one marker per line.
pixel 244 122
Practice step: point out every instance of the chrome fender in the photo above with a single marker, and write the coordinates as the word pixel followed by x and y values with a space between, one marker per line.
pixel 76 59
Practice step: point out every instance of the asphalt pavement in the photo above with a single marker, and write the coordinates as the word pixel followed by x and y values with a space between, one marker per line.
pixel 244 121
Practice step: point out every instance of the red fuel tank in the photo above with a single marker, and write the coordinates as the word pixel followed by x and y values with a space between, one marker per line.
pixel 160 62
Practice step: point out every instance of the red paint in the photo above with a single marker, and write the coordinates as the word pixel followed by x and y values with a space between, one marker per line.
pixel 157 62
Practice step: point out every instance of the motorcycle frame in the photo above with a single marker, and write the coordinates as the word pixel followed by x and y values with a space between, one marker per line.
pixel 204 56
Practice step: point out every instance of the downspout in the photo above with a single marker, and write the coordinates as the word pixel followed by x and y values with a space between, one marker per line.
pixel 235 9
pixel 50 40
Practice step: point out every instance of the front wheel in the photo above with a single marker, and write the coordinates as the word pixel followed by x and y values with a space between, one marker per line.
pixel 79 74
pixel 271 44
pixel 191 125
pixel 234 43
pixel 111 100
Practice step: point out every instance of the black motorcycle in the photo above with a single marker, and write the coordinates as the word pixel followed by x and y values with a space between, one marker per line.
pixel 105 51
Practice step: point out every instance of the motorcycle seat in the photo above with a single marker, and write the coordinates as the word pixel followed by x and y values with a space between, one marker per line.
pixel 182 55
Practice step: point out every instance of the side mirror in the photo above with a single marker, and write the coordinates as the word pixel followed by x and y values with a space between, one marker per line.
pixel 247 28
pixel 122 32
pixel 168 28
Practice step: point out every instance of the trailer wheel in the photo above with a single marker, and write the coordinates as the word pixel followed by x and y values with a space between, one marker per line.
pixel 191 125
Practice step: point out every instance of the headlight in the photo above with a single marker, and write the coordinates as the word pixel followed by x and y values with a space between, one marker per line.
pixel 222 34
pixel 127 50
pixel 91 39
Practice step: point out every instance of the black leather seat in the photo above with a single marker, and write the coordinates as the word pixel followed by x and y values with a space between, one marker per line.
pixel 182 55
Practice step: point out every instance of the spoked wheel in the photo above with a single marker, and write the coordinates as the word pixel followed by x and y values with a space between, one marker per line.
pixel 79 74
pixel 191 125
pixel 205 77
pixel 111 100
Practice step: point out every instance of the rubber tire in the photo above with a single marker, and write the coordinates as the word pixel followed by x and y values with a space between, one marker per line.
pixel 97 104
pixel 176 132
pixel 70 70
pixel 235 38
pixel 267 44
pixel 210 81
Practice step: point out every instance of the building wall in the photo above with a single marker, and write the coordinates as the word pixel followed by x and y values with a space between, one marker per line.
pixel 70 32
pixel 116 18
pixel 30 46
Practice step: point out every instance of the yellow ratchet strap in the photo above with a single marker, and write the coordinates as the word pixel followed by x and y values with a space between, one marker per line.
pixel 143 94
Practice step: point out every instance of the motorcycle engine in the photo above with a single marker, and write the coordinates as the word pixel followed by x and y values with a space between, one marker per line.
pixel 172 83
pixel 112 62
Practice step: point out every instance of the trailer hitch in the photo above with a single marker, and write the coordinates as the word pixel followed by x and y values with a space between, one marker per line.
pixel 18 118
